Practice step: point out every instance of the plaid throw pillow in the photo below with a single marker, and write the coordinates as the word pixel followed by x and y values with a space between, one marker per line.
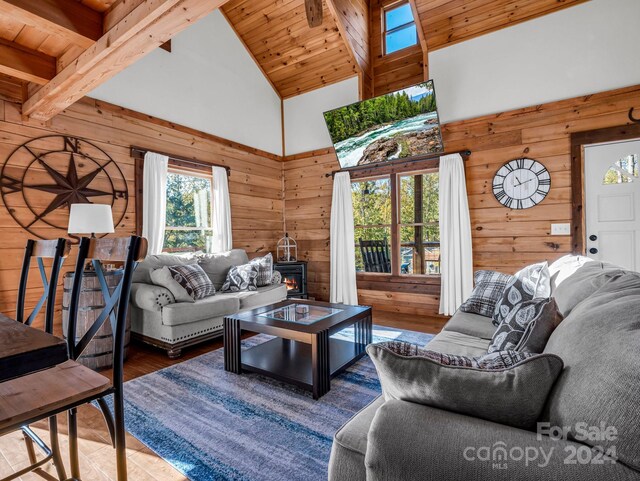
pixel 489 288
pixel 265 269
pixel 490 362
pixel 194 280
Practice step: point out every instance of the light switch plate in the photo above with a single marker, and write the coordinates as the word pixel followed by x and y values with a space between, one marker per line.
pixel 560 229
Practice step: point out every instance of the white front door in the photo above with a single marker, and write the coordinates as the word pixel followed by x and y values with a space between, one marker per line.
pixel 612 198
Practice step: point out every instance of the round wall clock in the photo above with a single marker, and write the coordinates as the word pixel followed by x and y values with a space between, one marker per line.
pixel 521 183
pixel 41 178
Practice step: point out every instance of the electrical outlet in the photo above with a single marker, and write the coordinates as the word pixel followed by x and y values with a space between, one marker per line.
pixel 560 229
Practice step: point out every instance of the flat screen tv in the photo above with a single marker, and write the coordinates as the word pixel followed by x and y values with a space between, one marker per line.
pixel 400 125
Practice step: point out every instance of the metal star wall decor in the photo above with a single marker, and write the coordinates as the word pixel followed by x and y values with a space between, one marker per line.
pixel 38 196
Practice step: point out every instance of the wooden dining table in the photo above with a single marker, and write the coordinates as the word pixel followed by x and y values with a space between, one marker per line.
pixel 24 349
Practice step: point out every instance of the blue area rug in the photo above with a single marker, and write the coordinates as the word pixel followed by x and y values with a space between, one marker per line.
pixel 214 425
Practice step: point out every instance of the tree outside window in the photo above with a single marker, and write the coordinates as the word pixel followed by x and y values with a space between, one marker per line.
pixel 419 227
pixel 371 214
pixel 188 222
pixel 418 249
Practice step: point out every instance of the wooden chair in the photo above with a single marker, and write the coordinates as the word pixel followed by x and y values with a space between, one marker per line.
pixel 375 255
pixel 65 387
pixel 57 251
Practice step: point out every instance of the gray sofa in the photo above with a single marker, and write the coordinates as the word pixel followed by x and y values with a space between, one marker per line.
pixel 157 319
pixel 599 342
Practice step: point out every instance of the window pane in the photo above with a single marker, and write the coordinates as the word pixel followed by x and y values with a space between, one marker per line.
pixel 420 243
pixel 373 249
pixel 411 262
pixel 426 203
pixel 399 39
pixel 188 201
pixel 622 171
pixel 371 202
pixel 191 240
pixel 398 16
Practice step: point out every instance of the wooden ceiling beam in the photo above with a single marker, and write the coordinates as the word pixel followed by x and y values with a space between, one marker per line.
pixel 26 64
pixel 352 20
pixel 150 24
pixel 118 12
pixel 422 38
pixel 66 19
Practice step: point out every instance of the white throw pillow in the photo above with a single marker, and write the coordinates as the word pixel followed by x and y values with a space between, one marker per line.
pixel 564 267
pixel 538 278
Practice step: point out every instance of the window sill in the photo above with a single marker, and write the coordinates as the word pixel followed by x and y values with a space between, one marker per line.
pixel 406 278
pixel 428 284
pixel 399 53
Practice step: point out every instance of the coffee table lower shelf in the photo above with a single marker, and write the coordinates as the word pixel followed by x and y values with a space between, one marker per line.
pixel 290 361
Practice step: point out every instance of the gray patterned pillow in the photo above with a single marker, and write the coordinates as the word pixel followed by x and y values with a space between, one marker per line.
pixel 518 382
pixel 276 278
pixel 527 327
pixel 531 282
pixel 241 278
pixel 194 280
pixel 489 288
pixel 265 269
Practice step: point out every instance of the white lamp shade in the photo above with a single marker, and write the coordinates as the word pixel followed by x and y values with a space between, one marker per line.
pixel 90 219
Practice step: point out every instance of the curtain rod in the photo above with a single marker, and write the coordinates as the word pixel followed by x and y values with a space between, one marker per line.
pixel 463 153
pixel 139 152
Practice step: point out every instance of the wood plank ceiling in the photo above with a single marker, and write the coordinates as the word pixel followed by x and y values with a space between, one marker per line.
pixel 293 56
pixel 297 59
pixel 39 41
pixel 445 22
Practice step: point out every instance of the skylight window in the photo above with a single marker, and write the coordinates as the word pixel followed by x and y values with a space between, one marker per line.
pixel 399 28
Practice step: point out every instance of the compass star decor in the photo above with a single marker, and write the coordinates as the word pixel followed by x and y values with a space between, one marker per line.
pixel 42 178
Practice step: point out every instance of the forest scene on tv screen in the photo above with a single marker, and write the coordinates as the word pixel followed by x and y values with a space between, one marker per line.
pixel 399 125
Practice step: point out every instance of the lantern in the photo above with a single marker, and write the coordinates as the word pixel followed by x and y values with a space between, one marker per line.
pixel 287 250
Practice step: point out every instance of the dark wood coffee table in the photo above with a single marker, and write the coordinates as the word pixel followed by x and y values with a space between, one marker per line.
pixel 303 352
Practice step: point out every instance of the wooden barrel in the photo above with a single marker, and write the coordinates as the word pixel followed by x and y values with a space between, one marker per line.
pixel 99 352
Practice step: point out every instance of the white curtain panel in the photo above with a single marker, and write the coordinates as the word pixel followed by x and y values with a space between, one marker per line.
pixel 343 288
pixel 154 200
pixel 221 212
pixel 455 235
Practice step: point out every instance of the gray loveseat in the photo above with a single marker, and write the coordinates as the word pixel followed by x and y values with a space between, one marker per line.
pixel 157 319
pixel 599 341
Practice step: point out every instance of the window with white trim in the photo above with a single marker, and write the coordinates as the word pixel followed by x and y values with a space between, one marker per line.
pixel 189 202
pixel 399 28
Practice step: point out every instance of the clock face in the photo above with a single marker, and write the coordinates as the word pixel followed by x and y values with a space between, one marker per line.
pixel 521 183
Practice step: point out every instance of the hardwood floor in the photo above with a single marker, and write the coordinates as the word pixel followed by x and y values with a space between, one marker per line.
pixel 97 458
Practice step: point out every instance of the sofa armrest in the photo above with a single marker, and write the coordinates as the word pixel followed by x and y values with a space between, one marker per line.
pixel 410 441
pixel 150 297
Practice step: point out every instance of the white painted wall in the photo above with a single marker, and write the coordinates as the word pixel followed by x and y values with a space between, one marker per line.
pixel 581 50
pixel 304 124
pixel 209 82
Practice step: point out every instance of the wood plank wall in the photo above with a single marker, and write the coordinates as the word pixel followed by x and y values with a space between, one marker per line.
pixel 255 183
pixel 397 70
pixel 503 239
